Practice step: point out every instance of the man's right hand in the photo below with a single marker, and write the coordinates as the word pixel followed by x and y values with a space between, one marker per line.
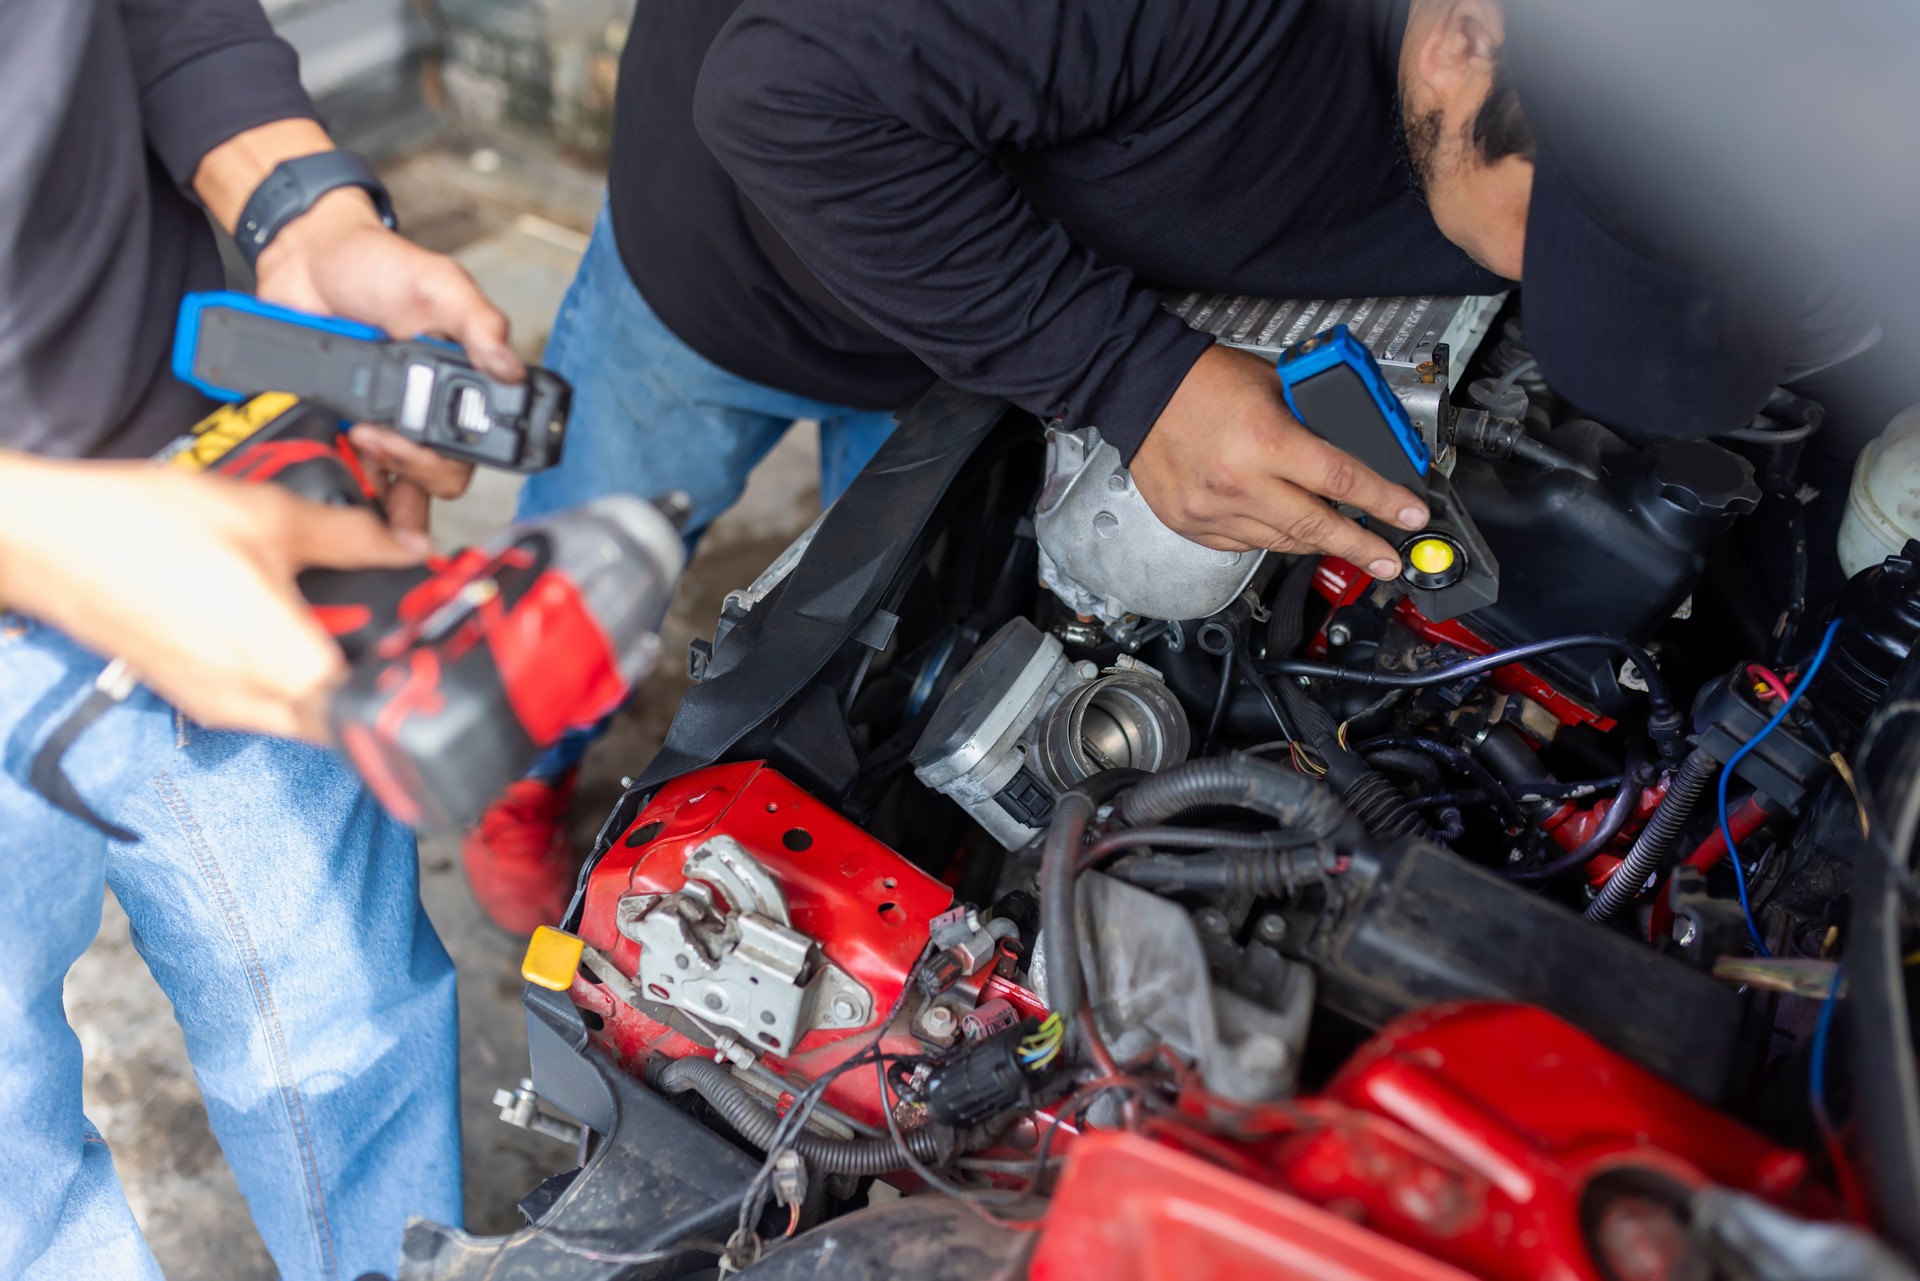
pixel 189 578
pixel 1227 466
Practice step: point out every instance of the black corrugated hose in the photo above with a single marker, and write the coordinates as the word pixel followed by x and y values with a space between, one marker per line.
pixel 1292 800
pixel 755 1122
pixel 1657 838
pixel 1366 791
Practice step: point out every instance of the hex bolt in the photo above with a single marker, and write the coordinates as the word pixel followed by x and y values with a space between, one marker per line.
pixel 1339 634
pixel 1272 928
pixel 939 1020
pixel 1211 921
pixel 844 1009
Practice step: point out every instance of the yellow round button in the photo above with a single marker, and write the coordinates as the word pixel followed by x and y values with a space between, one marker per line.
pixel 1431 555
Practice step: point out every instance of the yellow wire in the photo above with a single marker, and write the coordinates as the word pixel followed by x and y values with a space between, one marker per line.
pixel 1845 771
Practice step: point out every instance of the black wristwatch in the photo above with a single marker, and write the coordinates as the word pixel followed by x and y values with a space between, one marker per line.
pixel 293 187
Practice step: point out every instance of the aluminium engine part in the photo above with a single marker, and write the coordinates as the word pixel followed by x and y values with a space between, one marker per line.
pixel 1421 343
pixel 1107 556
pixel 1022 725
pixel 1148 982
pixel 723 949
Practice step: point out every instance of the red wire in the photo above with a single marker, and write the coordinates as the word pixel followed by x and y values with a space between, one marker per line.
pixel 1766 676
pixel 1852 1191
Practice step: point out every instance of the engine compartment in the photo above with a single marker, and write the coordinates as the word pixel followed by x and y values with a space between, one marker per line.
pixel 1486 922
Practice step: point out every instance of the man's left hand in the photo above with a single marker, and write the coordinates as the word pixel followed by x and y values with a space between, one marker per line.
pixel 338 260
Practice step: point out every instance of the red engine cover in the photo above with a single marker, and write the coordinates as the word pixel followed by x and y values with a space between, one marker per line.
pixel 867 907
pixel 1478 1134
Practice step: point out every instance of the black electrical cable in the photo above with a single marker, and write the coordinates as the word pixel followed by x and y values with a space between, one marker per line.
pixel 1260 683
pixel 1220 701
pixel 1189 838
pixel 1524 792
pixel 756 1122
pixel 1458 761
pixel 1625 802
pixel 1664 722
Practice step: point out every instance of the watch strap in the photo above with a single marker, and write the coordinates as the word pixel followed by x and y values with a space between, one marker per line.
pixel 293 188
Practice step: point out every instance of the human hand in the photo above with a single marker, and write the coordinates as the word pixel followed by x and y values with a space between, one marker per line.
pixel 190 579
pixel 337 259
pixel 1228 466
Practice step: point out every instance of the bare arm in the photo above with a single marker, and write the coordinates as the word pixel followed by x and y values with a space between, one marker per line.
pixel 189 578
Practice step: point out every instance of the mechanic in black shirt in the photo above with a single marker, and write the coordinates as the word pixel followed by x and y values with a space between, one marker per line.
pixel 276 905
pixel 815 210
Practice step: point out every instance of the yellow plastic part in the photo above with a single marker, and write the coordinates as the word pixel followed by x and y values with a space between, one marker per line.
pixel 1431 556
pixel 215 436
pixel 553 958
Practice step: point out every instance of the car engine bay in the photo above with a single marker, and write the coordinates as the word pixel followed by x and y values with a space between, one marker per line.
pixel 1139 910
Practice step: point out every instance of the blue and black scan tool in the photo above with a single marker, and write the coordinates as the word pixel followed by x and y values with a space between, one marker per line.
pixel 232 346
pixel 1336 390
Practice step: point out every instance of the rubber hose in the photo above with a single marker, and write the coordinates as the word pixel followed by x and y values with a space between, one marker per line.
pixel 1657 839
pixel 1364 790
pixel 757 1123
pixel 1626 801
pixel 1244 782
pixel 1267 873
pixel 1380 807
pixel 1059 861
pixel 1452 757
pixel 1421 768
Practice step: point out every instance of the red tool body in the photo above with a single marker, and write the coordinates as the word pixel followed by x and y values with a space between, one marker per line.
pixel 466 667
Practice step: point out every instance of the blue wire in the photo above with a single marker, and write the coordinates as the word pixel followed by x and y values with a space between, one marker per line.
pixel 1817 1072
pixel 1726 776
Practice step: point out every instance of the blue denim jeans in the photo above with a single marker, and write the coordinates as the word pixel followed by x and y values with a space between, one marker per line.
pixel 651 415
pixel 278 907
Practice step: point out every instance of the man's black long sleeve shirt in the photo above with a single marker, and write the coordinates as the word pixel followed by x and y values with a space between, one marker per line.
pixel 108 110
pixel 847 198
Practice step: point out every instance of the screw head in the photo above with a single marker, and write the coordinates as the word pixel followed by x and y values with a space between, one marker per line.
pixel 1272 928
pixel 843 1008
pixel 1211 921
pixel 713 1001
pixel 1339 634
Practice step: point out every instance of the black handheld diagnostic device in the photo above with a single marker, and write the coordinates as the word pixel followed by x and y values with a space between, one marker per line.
pixel 232 345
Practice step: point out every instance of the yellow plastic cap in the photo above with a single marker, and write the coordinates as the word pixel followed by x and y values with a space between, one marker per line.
pixel 1431 556
pixel 553 958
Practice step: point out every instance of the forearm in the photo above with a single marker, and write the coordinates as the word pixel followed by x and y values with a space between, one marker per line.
pixel 229 174
pixel 26 485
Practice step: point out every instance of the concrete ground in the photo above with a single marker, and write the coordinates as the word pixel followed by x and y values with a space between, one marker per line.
pixel 517 218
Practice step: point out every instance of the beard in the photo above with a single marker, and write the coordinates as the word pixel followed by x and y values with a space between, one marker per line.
pixel 1416 141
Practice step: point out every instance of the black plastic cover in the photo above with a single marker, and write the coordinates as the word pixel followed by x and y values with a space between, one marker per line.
pixel 983 1082
pixel 1417 925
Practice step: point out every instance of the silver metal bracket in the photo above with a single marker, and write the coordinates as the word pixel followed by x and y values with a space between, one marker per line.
pixel 723 949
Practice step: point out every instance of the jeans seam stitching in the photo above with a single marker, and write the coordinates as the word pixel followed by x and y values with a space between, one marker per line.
pixel 290 1095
